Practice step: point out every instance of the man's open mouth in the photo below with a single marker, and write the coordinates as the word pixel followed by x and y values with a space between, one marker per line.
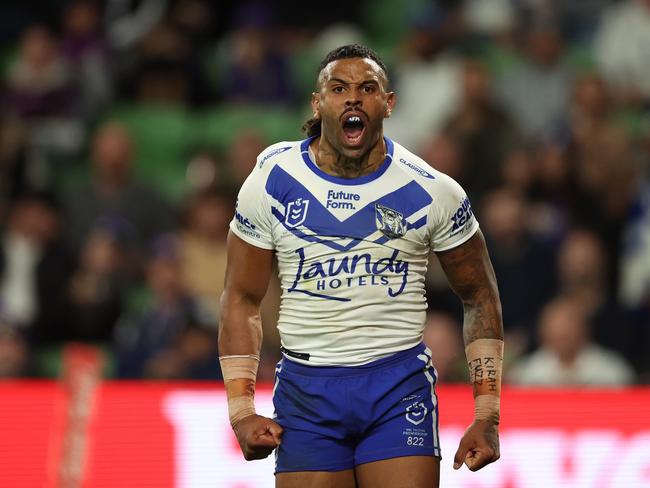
pixel 353 127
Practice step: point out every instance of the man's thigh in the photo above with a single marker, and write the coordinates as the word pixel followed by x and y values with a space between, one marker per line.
pixel 401 472
pixel 316 479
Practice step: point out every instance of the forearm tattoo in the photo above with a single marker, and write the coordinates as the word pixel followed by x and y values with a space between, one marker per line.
pixel 470 274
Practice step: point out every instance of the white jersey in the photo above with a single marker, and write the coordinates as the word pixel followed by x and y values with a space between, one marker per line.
pixel 352 253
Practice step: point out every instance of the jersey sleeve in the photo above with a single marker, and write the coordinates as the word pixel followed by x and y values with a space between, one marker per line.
pixel 452 218
pixel 252 220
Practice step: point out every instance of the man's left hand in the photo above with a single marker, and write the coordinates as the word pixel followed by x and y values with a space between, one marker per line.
pixel 479 446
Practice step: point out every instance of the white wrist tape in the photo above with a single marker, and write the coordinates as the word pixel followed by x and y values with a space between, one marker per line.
pixel 240 367
pixel 485 362
pixel 486 407
pixel 239 408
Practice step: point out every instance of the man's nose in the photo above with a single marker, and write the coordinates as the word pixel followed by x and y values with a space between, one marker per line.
pixel 353 99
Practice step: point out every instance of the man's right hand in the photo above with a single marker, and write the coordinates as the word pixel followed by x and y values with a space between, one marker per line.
pixel 257 436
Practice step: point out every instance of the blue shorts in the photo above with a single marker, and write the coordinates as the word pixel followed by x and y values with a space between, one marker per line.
pixel 335 418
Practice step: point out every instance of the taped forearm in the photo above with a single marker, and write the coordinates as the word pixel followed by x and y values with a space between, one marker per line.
pixel 485 362
pixel 239 375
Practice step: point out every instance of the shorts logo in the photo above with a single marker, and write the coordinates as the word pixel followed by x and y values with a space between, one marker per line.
pixel 389 221
pixel 416 413
pixel 296 212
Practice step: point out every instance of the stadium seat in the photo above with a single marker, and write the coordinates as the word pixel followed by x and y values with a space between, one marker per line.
pixel 219 126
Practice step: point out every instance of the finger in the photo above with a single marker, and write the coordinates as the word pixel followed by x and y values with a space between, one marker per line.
pixel 265 440
pixel 478 459
pixel 276 432
pixel 460 455
pixel 270 430
pixel 257 452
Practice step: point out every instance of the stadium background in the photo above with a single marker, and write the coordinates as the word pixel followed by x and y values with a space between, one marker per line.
pixel 127 127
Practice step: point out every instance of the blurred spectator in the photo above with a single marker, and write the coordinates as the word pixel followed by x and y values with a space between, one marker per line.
pixel 484 130
pixel 536 92
pixel 87 53
pixel 591 106
pixel 13 167
pixel 442 151
pixel 489 17
pixel 244 148
pixel 443 336
pixel 582 268
pixel 195 19
pixel 113 193
pixel 551 191
pixel 426 78
pixel 577 21
pixel 34 269
pixel 622 48
pixel 582 276
pixel 128 21
pixel 168 67
pixel 172 337
pixel 203 246
pixel 602 167
pixel 566 355
pixel 39 83
pixel 164 66
pixel 256 70
pixel 41 117
pixel 335 35
pixel 98 284
pixel 203 171
pixel 517 170
pixel 523 263
pixel 600 151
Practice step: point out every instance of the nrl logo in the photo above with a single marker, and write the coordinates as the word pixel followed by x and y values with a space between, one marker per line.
pixel 389 221
pixel 296 212
pixel 416 413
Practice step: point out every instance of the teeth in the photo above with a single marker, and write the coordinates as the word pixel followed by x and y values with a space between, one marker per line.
pixel 354 118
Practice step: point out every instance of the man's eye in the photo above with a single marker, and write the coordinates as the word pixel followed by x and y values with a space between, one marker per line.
pixel 337 89
pixel 368 89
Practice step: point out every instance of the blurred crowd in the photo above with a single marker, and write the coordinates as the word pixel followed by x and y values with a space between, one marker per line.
pixel 127 127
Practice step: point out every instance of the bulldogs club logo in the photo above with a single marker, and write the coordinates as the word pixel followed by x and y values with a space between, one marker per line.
pixel 389 221
pixel 296 212
pixel 416 413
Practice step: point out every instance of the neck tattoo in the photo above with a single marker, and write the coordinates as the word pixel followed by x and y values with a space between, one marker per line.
pixel 346 168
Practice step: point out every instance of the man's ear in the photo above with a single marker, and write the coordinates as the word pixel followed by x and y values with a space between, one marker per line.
pixel 390 103
pixel 315 105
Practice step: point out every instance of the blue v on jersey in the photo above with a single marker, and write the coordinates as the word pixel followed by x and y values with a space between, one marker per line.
pixel 352 253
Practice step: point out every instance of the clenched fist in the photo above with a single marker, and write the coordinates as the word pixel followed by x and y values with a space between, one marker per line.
pixel 257 436
pixel 479 446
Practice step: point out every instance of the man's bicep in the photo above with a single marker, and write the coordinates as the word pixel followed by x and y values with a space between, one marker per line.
pixel 468 266
pixel 248 270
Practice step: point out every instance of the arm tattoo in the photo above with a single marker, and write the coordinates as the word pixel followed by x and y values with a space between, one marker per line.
pixel 470 274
